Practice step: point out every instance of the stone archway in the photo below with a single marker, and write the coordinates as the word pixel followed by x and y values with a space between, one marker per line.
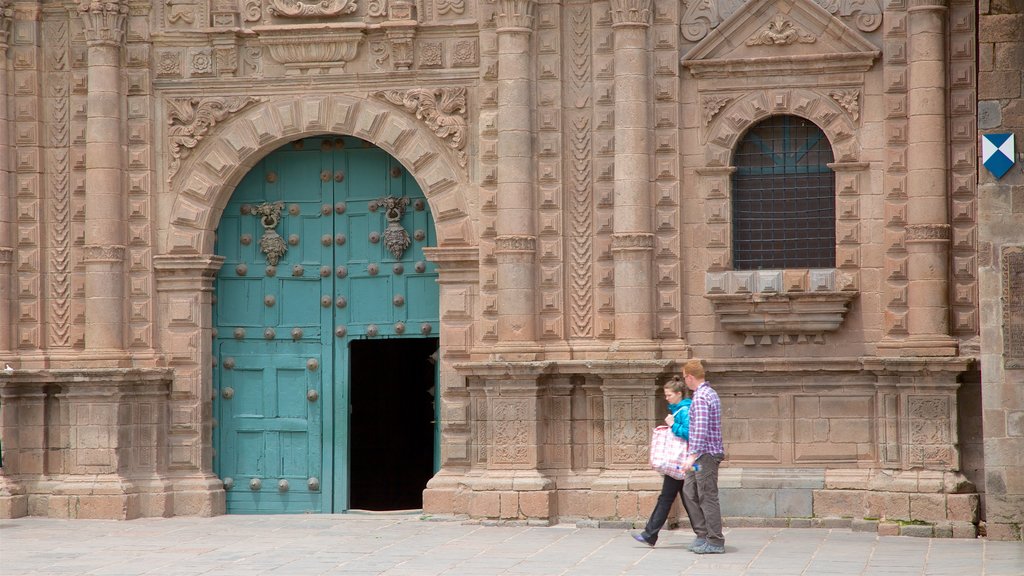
pixel 202 183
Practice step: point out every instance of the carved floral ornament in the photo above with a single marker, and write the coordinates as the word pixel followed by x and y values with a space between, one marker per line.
pixel 702 16
pixel 189 119
pixel 442 109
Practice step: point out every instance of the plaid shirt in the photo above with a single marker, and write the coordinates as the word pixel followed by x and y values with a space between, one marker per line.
pixel 706 422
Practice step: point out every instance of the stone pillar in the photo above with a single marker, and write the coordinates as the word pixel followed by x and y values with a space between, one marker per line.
pixel 6 192
pixel 105 203
pixel 928 230
pixel 184 286
pixel 632 237
pixel 516 242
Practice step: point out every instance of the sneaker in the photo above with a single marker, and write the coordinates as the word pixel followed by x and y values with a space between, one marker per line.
pixel 640 538
pixel 709 548
pixel 697 543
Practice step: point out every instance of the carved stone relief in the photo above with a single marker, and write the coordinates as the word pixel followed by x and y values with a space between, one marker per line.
pixel 580 167
pixel 1013 307
pixel 189 119
pixel 780 31
pixel 318 9
pixel 702 16
pixel 849 100
pixel 442 109
pixel 58 129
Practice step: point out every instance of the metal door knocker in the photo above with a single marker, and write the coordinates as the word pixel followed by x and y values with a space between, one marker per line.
pixel 395 237
pixel 271 243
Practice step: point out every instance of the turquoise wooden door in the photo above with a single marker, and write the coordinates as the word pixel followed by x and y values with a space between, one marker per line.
pixel 312 263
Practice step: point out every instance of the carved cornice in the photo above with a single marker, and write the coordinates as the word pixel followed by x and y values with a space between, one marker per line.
pixel 928 232
pixel 515 244
pixel 631 13
pixel 104 21
pixel 103 254
pixel 442 109
pixel 317 9
pixel 780 31
pixel 634 241
pixel 189 119
pixel 6 17
pixel 515 16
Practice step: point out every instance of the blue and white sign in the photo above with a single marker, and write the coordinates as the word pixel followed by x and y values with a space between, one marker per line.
pixel 997 153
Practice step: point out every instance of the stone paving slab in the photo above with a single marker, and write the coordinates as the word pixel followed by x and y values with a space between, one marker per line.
pixel 407 545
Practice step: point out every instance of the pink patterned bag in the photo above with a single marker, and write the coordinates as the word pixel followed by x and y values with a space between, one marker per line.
pixel 668 453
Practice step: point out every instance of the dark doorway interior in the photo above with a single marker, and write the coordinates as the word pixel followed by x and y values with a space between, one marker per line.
pixel 391 437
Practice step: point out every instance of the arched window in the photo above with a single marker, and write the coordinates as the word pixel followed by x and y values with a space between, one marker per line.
pixel 783 197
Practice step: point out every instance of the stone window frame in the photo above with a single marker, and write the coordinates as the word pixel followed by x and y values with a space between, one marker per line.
pixel 782 305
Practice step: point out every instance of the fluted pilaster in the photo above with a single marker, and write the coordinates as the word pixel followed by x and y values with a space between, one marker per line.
pixel 632 239
pixel 105 213
pixel 515 248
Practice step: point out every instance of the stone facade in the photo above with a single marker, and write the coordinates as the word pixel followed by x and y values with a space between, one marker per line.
pixel 577 158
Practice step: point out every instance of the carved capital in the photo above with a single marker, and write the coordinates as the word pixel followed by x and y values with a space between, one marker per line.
pixel 104 21
pixel 6 17
pixel 442 109
pixel 631 13
pixel 515 244
pixel 928 232
pixel 102 254
pixel 515 16
pixel 189 119
pixel 632 242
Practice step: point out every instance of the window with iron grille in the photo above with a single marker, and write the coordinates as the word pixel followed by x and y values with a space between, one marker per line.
pixel 783 197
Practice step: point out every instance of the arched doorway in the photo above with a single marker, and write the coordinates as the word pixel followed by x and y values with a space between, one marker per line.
pixel 326 319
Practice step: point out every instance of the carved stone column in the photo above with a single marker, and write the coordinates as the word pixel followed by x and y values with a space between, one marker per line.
pixel 516 242
pixel 632 237
pixel 928 230
pixel 6 191
pixel 105 203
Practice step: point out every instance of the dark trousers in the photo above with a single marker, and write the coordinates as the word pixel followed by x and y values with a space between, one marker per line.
pixel 700 498
pixel 670 487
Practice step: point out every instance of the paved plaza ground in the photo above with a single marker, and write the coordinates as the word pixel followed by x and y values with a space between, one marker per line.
pixel 407 545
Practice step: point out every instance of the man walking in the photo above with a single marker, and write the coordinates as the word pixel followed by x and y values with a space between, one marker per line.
pixel 700 487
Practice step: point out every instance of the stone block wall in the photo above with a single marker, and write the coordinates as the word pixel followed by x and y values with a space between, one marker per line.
pixel 1001 267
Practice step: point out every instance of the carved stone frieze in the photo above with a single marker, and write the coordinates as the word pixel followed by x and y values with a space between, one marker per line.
pixel 631 12
pixel 515 244
pixel 580 167
pixel 442 109
pixel 316 9
pixel 515 15
pixel 450 7
pixel 925 232
pixel 780 31
pixel 103 253
pixel 189 119
pixel 849 100
pixel 104 21
pixel 632 241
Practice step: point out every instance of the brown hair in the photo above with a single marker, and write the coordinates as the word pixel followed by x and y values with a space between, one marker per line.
pixel 676 384
pixel 694 368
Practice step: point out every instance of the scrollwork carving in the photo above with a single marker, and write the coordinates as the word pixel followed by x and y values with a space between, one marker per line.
pixel 252 10
pixel 318 9
pixel 780 31
pixel 189 119
pixel 869 12
pixel 701 16
pixel 442 109
pixel 377 8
